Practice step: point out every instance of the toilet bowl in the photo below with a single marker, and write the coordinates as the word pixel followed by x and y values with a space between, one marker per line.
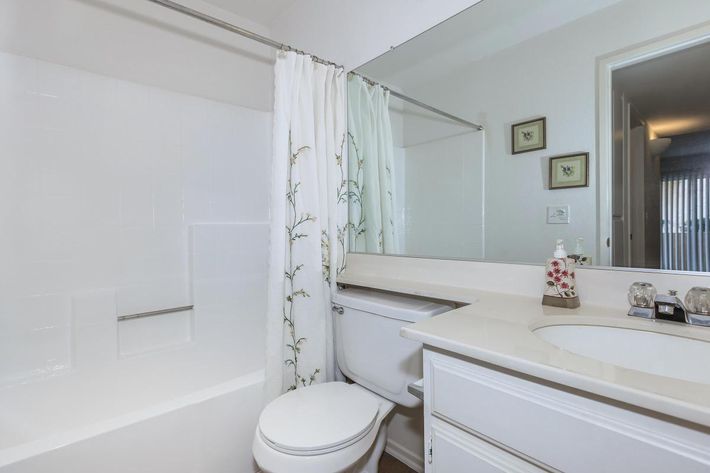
pixel 337 427
pixel 327 428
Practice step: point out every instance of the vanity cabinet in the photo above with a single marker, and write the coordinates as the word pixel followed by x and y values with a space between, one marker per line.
pixel 480 418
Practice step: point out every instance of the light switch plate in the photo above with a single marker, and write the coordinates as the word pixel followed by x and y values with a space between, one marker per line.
pixel 557 214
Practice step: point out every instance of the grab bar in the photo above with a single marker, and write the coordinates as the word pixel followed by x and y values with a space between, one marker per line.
pixel 153 313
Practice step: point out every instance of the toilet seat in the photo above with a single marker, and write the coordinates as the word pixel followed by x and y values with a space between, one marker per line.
pixel 318 419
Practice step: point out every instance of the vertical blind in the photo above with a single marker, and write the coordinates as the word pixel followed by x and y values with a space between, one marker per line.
pixel 685 210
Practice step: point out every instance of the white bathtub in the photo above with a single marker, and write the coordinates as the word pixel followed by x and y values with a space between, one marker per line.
pixel 189 408
pixel 209 430
pixel 176 393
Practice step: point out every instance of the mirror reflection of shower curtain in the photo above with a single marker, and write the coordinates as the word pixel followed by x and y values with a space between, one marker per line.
pixel 685 207
pixel 370 151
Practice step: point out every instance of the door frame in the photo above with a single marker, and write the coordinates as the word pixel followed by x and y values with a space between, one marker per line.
pixel 606 65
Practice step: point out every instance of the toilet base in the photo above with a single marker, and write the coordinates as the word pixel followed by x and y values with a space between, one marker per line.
pixel 369 463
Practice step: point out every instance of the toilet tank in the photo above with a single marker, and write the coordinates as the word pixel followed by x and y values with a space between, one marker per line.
pixel 368 346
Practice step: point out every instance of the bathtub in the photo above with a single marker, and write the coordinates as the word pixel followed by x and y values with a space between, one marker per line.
pixel 175 393
pixel 208 430
pixel 189 407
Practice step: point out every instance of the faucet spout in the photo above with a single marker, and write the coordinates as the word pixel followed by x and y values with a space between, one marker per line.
pixel 670 307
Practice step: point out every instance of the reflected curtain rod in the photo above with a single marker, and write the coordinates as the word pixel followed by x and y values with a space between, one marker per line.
pixel 284 47
pixel 416 102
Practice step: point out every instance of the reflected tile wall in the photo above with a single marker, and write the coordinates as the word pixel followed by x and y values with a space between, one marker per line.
pixel 443 212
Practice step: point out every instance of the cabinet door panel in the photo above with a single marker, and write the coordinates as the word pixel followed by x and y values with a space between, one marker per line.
pixel 455 451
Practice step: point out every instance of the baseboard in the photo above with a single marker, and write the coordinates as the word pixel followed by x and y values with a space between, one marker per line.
pixel 413 460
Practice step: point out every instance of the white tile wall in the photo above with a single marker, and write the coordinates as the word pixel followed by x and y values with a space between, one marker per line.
pixel 443 212
pixel 35 336
pixel 220 291
pixel 161 332
pixel 94 328
pixel 100 180
pixel 399 198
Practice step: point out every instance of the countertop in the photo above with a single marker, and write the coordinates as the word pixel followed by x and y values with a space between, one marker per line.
pixel 497 329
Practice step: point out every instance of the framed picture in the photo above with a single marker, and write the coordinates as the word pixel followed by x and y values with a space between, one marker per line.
pixel 570 170
pixel 528 136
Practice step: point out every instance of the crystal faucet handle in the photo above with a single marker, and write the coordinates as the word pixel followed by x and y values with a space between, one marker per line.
pixel 642 294
pixel 697 300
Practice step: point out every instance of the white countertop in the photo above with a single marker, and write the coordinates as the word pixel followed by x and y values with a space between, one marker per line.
pixel 497 329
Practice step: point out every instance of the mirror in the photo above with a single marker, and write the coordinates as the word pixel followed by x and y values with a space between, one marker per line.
pixel 519 122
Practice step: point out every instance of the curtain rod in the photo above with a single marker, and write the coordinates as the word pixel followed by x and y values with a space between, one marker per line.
pixel 418 103
pixel 284 47
pixel 435 110
pixel 236 29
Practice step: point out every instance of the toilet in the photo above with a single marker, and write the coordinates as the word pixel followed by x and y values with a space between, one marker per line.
pixel 340 427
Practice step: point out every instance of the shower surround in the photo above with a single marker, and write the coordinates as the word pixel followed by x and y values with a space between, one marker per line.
pixel 120 198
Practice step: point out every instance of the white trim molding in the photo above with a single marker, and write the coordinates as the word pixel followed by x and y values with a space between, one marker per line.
pixel 413 460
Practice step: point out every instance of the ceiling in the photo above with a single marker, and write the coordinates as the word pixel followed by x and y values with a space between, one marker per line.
pixel 671 92
pixel 258 11
pixel 477 32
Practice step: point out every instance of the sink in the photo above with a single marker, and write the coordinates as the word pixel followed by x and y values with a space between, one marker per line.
pixel 651 352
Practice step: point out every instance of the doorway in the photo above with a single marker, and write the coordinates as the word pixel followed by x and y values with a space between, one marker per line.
pixel 654 146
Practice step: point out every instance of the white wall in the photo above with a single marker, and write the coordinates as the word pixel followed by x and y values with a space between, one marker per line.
pixel 552 75
pixel 142 42
pixel 352 33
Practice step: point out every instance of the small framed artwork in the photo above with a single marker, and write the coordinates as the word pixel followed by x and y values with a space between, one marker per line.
pixel 570 170
pixel 528 136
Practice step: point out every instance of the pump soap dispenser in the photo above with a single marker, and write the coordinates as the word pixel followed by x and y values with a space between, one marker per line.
pixel 560 282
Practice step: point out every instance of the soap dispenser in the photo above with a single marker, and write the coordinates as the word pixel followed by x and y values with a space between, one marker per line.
pixel 579 256
pixel 560 280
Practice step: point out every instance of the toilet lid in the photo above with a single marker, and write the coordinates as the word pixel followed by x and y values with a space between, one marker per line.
pixel 318 419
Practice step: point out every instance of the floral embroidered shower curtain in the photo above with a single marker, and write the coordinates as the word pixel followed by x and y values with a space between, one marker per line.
pixel 308 221
pixel 371 151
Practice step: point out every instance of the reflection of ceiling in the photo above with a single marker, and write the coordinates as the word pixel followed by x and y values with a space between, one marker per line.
pixel 258 11
pixel 475 33
pixel 672 92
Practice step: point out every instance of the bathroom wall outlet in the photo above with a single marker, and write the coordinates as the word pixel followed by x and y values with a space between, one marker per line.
pixel 558 214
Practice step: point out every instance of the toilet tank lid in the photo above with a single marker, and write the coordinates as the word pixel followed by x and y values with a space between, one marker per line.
pixel 394 306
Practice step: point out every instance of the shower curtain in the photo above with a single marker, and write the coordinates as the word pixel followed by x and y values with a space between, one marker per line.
pixel 371 151
pixel 308 221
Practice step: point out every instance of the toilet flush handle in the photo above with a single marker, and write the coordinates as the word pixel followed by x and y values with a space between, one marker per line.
pixel 338 309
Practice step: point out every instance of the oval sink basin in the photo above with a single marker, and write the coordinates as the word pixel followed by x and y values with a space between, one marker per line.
pixel 650 352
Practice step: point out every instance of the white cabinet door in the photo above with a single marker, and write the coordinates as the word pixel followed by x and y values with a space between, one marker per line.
pixel 455 451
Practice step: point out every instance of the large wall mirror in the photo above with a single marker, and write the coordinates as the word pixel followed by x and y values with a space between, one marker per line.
pixel 520 122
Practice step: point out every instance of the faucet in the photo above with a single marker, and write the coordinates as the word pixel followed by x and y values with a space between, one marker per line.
pixel 647 304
